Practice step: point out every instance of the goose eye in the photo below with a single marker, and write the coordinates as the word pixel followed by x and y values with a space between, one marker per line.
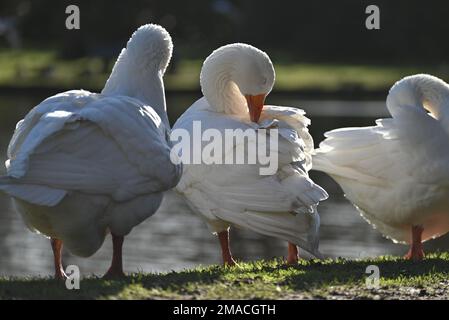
pixel 264 81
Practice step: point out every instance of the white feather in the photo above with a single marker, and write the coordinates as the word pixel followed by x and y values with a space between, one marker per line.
pixel 82 164
pixel 282 205
pixel 396 172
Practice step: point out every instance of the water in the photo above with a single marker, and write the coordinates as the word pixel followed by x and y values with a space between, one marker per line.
pixel 175 238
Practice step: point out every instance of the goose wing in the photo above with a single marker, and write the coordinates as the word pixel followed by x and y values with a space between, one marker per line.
pixel 282 204
pixel 79 141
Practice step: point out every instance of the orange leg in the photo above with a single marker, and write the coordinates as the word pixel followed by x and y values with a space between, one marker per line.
pixel 116 268
pixel 292 257
pixel 223 237
pixel 416 252
pixel 56 246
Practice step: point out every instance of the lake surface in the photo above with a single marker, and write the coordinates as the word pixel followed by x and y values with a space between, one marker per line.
pixel 175 238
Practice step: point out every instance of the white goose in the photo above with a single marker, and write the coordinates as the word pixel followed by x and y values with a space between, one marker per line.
pixel 396 173
pixel 235 80
pixel 83 164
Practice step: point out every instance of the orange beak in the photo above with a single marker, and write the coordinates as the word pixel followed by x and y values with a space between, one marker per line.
pixel 255 106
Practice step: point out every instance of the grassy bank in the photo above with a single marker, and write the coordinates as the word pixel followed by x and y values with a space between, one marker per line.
pixel 43 68
pixel 328 279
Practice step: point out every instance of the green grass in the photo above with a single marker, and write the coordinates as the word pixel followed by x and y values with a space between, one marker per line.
pixel 326 279
pixel 43 68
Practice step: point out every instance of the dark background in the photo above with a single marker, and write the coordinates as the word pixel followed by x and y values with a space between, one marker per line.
pixel 412 31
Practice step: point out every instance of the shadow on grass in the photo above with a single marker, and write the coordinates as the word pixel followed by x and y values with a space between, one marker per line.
pixel 306 276
pixel 97 288
pixel 347 272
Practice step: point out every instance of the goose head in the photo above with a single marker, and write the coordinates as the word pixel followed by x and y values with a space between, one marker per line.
pixel 149 49
pixel 236 78
pixel 140 67
pixel 421 90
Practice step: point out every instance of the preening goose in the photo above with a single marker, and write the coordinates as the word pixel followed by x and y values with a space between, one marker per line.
pixel 83 164
pixel 396 173
pixel 235 80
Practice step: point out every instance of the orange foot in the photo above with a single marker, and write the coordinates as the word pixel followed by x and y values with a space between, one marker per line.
pixel 229 261
pixel 60 274
pixel 292 260
pixel 292 257
pixel 114 274
pixel 415 254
